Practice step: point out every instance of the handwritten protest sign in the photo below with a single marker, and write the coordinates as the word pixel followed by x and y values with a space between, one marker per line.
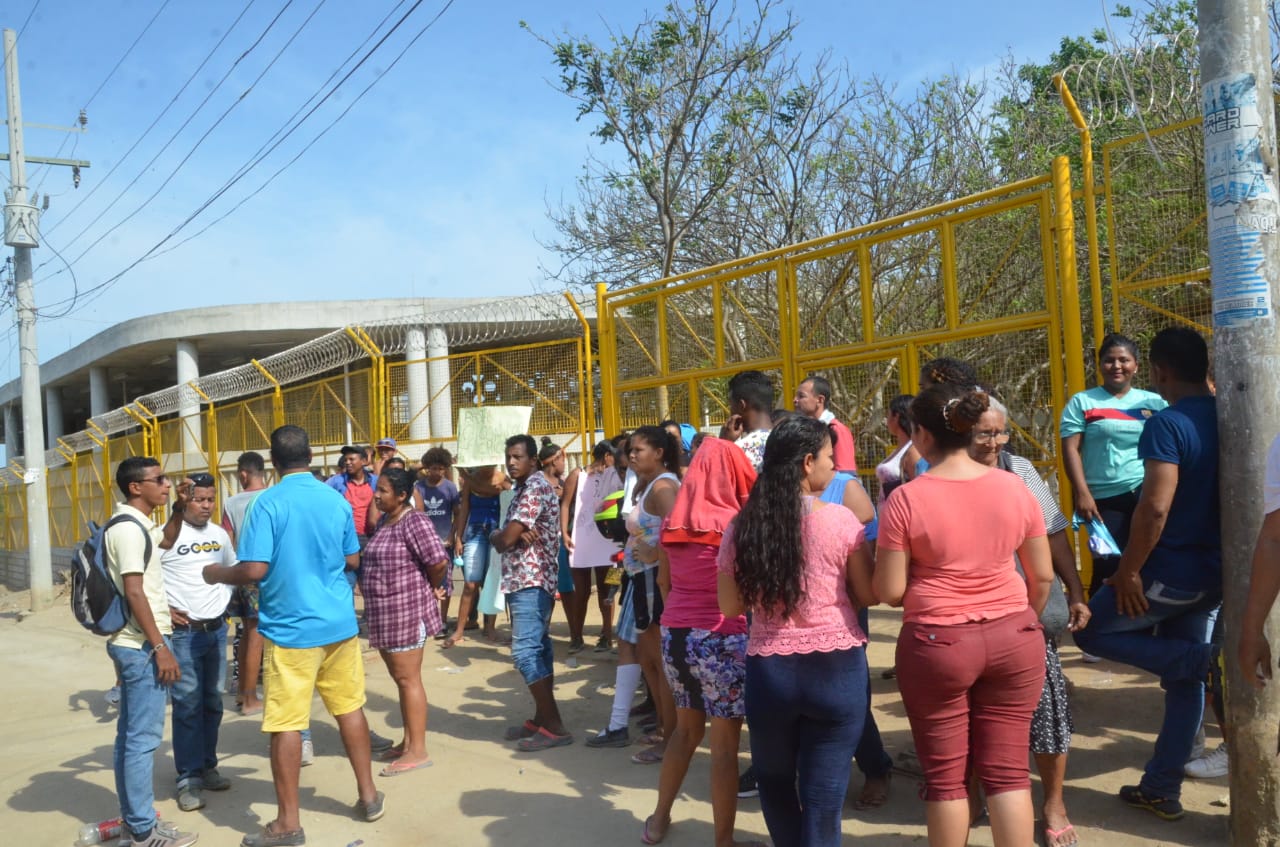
pixel 484 430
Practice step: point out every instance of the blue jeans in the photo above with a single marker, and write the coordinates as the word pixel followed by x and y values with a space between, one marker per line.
pixel 531 652
pixel 806 713
pixel 197 701
pixel 1171 641
pixel 138 732
pixel 475 551
pixel 873 760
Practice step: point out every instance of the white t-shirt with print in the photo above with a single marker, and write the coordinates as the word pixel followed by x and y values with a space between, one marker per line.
pixel 184 565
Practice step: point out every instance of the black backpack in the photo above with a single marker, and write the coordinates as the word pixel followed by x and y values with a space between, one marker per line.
pixel 95 601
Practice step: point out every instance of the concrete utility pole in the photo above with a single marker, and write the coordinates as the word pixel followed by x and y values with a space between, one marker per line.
pixel 1244 250
pixel 21 231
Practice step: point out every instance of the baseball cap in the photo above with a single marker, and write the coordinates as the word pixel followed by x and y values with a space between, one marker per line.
pixel 388 442
pixel 348 450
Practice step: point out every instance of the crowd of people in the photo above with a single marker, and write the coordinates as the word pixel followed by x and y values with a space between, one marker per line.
pixel 733 572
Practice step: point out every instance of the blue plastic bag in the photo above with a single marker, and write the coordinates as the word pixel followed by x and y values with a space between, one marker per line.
pixel 1100 541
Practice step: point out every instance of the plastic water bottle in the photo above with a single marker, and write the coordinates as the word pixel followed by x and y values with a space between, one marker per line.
pixel 103 832
pixel 458 562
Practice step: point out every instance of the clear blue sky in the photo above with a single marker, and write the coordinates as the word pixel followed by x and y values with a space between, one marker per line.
pixel 435 184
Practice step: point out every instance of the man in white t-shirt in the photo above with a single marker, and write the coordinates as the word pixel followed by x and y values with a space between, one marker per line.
pixel 198 611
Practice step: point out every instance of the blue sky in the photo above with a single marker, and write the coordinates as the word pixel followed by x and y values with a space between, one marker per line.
pixel 435 183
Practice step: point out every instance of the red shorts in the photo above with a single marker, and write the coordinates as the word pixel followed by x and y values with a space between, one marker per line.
pixel 974 682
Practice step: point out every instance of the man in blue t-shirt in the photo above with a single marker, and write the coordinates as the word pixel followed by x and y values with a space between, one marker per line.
pixel 1157 612
pixel 297 541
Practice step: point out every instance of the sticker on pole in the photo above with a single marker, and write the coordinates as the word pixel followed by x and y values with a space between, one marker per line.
pixel 1242 200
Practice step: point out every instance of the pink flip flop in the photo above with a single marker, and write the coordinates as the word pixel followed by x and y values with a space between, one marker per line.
pixel 395 768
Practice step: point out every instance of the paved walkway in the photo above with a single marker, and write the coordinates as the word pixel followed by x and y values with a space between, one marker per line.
pixel 57 734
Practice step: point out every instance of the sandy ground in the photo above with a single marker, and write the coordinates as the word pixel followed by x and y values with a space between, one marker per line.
pixel 57 733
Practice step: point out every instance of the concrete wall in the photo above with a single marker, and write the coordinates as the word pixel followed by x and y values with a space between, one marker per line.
pixel 13 568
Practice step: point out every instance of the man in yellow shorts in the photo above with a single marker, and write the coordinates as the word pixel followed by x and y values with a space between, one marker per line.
pixel 297 541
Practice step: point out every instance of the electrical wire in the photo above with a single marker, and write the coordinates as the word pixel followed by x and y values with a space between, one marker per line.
pixel 75 283
pixel 310 143
pixel 284 126
pixel 95 290
pixel 120 161
pixel 112 72
pixel 23 28
pixel 173 138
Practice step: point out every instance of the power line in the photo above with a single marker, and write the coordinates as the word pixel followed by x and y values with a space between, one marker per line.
pixel 23 28
pixel 112 72
pixel 75 283
pixel 173 138
pixel 256 154
pixel 99 183
pixel 308 145
pixel 96 289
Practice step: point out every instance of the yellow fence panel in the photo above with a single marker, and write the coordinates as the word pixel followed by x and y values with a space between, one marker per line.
pixel 334 410
pixel 1157 230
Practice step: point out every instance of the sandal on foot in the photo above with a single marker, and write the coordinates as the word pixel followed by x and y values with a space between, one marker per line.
pixel 1065 837
pixel 868 799
pixel 543 740
pixel 396 768
pixel 647 837
pixel 516 733
pixel 650 739
pixel 648 757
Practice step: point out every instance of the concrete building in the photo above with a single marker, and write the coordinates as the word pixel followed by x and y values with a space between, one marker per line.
pixel 144 355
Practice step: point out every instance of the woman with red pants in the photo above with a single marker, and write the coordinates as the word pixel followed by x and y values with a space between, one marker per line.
pixel 970 654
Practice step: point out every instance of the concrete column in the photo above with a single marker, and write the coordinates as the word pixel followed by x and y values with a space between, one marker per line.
pixel 415 350
pixel 188 368
pixel 99 395
pixel 52 415
pixel 12 431
pixel 438 380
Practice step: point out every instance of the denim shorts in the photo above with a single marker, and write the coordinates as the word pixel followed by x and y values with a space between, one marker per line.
pixel 475 551
pixel 531 651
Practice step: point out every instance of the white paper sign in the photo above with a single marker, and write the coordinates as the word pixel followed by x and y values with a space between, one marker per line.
pixel 1242 200
pixel 484 430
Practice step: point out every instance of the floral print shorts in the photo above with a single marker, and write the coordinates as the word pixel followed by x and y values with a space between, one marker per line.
pixel 707 670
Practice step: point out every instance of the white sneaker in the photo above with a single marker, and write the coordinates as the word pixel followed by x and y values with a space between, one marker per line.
pixel 112 696
pixel 1089 658
pixel 308 752
pixel 1211 766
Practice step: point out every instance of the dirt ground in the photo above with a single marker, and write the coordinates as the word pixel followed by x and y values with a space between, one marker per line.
pixel 57 733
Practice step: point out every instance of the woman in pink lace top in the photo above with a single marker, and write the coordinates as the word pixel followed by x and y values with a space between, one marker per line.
pixel 801 566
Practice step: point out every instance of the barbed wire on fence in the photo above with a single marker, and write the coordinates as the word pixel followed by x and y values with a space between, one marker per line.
pixel 1156 76
pixel 527 318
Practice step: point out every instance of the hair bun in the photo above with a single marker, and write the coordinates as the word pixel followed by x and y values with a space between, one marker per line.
pixel 546 441
pixel 962 413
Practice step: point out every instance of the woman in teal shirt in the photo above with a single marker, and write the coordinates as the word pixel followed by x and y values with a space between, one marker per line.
pixel 1099 430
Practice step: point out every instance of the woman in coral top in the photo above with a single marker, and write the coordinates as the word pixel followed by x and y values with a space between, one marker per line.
pixel 801 566
pixel 970 654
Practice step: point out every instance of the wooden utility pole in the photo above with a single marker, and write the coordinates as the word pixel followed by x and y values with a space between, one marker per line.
pixel 1244 251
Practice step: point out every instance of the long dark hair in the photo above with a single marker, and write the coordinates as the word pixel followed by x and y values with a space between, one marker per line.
pixel 768 535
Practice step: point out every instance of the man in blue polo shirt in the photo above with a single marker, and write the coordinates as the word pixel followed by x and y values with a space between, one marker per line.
pixel 297 542
pixel 1157 612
